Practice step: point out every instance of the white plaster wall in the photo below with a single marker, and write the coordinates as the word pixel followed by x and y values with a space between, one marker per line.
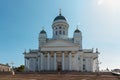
pixel 95 65
pixel 75 63
pixel 87 63
pixel 80 59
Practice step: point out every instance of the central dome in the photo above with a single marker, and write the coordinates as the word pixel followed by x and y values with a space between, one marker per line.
pixel 60 17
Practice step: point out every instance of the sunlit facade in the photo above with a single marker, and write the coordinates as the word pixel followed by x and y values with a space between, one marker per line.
pixel 61 53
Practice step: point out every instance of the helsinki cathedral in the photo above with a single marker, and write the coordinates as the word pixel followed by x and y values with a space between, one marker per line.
pixel 61 53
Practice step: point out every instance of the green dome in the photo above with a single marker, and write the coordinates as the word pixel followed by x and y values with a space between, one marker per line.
pixel 60 17
pixel 42 32
pixel 77 31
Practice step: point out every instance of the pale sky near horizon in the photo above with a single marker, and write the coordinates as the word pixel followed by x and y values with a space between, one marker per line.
pixel 22 20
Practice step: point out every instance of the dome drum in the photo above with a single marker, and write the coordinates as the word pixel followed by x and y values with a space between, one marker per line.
pixel 58 24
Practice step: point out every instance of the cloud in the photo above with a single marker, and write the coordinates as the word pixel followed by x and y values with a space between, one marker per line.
pixel 100 2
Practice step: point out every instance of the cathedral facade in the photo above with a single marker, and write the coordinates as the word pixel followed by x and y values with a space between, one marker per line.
pixel 61 53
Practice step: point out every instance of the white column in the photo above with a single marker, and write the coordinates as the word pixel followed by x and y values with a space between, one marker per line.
pixel 70 61
pixel 39 65
pixel 48 61
pixel 54 61
pixel 41 61
pixel 91 64
pixel 63 61
pixel 77 62
pixel 25 64
pixel 81 63
pixel 97 65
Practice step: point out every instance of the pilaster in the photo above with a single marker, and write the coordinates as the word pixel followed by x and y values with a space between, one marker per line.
pixel 41 61
pixel 48 61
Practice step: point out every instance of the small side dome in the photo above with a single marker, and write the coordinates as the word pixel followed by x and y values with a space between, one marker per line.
pixel 43 32
pixel 77 31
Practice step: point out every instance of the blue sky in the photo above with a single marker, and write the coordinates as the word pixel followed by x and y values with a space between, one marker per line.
pixel 22 20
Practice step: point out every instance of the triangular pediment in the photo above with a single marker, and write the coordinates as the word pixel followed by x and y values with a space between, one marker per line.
pixel 60 43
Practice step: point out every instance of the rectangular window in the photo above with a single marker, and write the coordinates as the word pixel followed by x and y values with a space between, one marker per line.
pixel 83 67
pixel 83 59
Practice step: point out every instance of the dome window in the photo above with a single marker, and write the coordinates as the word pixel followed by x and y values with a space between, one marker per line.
pixel 59 27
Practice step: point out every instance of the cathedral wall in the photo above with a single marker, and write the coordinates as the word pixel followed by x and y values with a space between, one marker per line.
pixel 74 62
pixel 79 62
pixel 32 64
pixel 88 64
pixel 95 65
pixel 60 48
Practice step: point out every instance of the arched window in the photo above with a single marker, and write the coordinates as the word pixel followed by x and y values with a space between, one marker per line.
pixel 60 27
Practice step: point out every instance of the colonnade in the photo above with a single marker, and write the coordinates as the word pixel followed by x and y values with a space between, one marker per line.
pixel 47 55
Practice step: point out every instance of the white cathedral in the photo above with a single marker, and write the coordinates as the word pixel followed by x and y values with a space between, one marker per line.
pixel 61 53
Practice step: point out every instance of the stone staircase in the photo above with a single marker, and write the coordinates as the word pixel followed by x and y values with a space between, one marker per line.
pixel 58 76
